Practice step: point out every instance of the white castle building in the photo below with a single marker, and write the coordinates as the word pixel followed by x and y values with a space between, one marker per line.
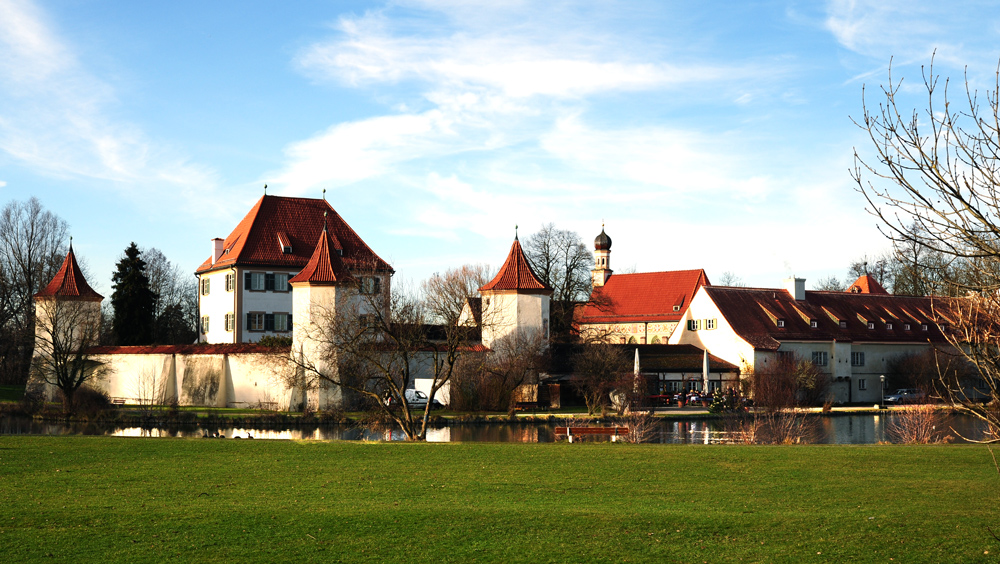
pixel 287 269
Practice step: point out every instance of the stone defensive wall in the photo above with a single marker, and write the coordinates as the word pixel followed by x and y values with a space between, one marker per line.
pixel 221 375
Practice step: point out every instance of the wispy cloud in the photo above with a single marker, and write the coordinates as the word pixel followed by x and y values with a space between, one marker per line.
pixel 912 31
pixel 58 119
pixel 480 87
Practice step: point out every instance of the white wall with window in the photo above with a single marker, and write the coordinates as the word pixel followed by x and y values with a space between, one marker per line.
pixel 214 303
pixel 267 304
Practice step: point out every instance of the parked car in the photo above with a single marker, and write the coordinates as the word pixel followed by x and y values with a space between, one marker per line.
pixel 417 399
pixel 905 395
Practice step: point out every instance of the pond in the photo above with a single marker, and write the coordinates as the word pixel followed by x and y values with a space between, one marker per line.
pixel 867 428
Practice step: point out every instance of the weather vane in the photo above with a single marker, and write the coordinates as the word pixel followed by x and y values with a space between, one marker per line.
pixel 265 189
pixel 324 198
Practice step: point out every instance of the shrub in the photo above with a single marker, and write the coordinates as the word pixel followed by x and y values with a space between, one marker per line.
pixel 922 424
pixel 89 403
pixel 726 401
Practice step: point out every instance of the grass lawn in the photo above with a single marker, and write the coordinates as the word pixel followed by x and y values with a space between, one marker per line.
pixel 107 499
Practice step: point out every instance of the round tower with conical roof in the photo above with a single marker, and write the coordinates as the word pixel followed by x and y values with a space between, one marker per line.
pixel 319 291
pixel 602 259
pixel 515 300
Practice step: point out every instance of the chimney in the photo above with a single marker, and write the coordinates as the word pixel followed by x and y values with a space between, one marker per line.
pixel 216 249
pixel 796 287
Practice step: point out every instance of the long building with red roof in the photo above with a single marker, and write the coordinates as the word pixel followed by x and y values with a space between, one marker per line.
pixel 641 308
pixel 853 336
pixel 243 286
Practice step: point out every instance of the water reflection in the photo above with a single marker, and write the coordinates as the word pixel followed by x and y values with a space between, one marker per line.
pixel 839 429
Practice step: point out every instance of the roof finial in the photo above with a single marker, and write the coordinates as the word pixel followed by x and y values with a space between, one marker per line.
pixel 515 232
pixel 265 189
pixel 71 243
pixel 324 194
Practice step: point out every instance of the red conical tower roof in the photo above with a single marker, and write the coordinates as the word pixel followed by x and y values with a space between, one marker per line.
pixel 325 266
pixel 69 282
pixel 866 284
pixel 516 274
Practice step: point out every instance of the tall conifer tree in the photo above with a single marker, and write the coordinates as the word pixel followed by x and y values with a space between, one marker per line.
pixel 133 300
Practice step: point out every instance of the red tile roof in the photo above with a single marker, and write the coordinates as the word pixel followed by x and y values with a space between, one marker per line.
pixel 866 284
pixel 69 282
pixel 647 296
pixel 299 221
pixel 325 266
pixel 753 314
pixel 516 274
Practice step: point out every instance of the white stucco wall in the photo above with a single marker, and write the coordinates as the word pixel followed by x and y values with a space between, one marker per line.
pixel 216 304
pixel 211 380
pixel 722 341
pixel 505 311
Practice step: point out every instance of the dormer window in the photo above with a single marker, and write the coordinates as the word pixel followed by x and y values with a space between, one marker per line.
pixel 813 323
pixel 843 324
pixel 677 308
pixel 906 327
pixel 923 326
pixel 888 326
pixel 284 243
pixel 780 322
pixel 871 324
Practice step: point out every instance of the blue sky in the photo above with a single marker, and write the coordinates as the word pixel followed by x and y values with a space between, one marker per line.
pixel 710 135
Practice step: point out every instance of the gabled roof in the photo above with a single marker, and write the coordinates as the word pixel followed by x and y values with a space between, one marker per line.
pixel 276 222
pixel 324 266
pixel 69 282
pixel 866 284
pixel 516 274
pixel 643 297
pixel 753 313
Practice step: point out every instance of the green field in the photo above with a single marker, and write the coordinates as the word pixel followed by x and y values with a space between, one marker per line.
pixel 106 499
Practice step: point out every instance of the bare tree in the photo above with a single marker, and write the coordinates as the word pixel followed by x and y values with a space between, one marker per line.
pixel 374 345
pixel 829 284
pixel 560 258
pixel 730 278
pixel 597 369
pixel 447 296
pixel 67 330
pixel 777 393
pixel 176 308
pixel 31 249
pixel 932 180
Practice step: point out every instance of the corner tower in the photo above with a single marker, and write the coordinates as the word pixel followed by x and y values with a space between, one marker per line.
pixel 602 259
pixel 319 294
pixel 67 322
pixel 516 300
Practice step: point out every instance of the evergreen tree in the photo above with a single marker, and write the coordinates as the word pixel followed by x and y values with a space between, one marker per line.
pixel 133 300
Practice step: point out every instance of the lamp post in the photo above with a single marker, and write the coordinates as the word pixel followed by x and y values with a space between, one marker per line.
pixel 881 380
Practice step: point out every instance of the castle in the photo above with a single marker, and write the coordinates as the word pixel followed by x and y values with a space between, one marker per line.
pixel 292 263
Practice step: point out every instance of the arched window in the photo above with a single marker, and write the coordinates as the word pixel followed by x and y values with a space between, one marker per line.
pixel 656 340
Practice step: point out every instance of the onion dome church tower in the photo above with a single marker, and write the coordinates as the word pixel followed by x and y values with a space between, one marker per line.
pixel 516 300
pixel 602 259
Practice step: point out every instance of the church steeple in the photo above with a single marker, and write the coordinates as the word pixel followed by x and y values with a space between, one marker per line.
pixel 602 259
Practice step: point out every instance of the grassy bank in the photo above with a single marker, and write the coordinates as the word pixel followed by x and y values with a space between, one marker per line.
pixel 138 500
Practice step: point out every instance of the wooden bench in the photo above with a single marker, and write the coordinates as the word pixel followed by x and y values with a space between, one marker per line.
pixel 571 432
pixel 118 401
pixel 526 406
